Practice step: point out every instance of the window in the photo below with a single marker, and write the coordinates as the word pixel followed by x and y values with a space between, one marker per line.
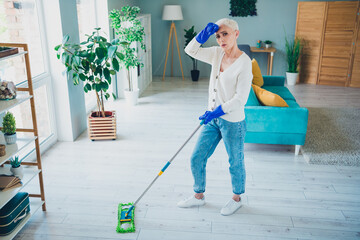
pixel 19 24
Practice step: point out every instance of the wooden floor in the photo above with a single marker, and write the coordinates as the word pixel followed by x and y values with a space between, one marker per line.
pixel 286 198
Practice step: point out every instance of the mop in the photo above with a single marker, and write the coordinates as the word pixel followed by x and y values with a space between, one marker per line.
pixel 126 211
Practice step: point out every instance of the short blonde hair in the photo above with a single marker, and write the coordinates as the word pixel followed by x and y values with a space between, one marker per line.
pixel 228 22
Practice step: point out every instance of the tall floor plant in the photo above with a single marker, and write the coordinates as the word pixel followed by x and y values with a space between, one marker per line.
pixel 293 52
pixel 129 30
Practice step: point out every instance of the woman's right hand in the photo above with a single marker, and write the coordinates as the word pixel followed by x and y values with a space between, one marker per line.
pixel 209 30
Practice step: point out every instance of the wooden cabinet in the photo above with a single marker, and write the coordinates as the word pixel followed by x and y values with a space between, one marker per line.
pixel 330 32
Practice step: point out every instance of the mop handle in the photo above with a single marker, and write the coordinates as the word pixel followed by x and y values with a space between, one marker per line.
pixel 166 166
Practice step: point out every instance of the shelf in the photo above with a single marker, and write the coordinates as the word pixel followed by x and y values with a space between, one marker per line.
pixel 7 104
pixel 29 174
pixel 14 55
pixel 12 149
pixel 34 206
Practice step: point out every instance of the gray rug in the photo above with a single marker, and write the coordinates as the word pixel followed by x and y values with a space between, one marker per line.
pixel 333 136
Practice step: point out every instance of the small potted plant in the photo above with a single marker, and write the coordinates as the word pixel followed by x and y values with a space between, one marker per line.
pixel 293 53
pixel 129 31
pixel 189 35
pixel 93 62
pixel 9 128
pixel 16 167
pixel 268 43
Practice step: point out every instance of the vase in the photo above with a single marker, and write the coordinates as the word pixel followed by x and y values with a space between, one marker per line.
pixel 10 139
pixel 268 45
pixel 291 78
pixel 18 172
pixel 195 75
pixel 131 97
pixel 102 128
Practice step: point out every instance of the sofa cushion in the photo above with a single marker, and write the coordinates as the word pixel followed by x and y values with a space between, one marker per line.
pixel 252 100
pixel 268 98
pixel 281 91
pixel 257 77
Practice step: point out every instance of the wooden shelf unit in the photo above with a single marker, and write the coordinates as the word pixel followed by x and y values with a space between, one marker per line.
pixel 331 55
pixel 34 168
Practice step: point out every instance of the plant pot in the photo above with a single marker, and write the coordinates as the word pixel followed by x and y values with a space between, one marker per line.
pixel 291 78
pixel 195 75
pixel 268 45
pixel 102 128
pixel 131 97
pixel 18 172
pixel 10 139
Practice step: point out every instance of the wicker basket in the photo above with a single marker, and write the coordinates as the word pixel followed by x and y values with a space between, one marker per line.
pixel 102 128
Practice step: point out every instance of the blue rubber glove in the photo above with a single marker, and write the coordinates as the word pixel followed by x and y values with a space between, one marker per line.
pixel 210 115
pixel 209 30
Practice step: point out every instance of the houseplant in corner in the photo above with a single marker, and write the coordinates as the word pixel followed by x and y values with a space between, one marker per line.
pixel 189 35
pixel 9 128
pixel 129 32
pixel 293 53
pixel 93 62
pixel 16 167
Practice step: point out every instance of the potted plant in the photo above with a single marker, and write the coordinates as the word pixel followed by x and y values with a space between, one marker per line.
pixel 268 43
pixel 16 167
pixel 189 35
pixel 9 128
pixel 293 52
pixel 93 62
pixel 129 32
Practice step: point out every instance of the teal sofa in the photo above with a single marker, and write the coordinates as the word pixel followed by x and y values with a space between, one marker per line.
pixel 276 125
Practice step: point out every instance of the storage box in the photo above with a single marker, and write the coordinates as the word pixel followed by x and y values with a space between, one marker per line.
pixel 14 212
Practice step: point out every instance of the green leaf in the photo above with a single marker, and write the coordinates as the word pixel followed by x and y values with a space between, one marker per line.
pixel 65 39
pixel 107 95
pixel 100 52
pixel 115 41
pixel 113 94
pixel 107 73
pixel 85 90
pixel 115 64
pixel 112 72
pixel 104 86
pixel 120 55
pixel 86 65
pixel 90 45
pixel 91 57
pixel 112 49
pixel 57 47
pixel 82 77
pixel 97 29
pixel 98 71
pixel 58 56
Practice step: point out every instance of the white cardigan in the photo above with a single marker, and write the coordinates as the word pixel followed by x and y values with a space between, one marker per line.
pixel 231 88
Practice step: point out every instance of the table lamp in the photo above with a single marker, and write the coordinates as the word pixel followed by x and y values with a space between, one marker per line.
pixel 172 13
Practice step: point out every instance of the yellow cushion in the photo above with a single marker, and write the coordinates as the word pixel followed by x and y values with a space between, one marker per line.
pixel 268 98
pixel 257 77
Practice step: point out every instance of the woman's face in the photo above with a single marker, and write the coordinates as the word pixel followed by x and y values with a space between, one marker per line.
pixel 226 37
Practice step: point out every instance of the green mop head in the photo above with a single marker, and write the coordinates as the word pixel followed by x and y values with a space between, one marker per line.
pixel 125 222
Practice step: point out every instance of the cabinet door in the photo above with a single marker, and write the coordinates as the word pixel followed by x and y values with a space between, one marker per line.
pixel 355 75
pixel 338 43
pixel 309 27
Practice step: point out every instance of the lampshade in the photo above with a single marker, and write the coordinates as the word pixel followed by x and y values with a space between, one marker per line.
pixel 172 13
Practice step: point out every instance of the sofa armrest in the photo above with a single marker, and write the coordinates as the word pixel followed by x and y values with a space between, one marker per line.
pixel 274 80
pixel 276 119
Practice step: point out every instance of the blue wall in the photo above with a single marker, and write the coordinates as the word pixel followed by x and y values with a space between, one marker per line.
pixel 274 17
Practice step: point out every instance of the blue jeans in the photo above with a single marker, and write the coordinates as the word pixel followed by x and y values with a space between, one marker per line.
pixel 233 134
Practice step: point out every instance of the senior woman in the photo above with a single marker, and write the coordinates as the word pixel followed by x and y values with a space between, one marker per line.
pixel 229 87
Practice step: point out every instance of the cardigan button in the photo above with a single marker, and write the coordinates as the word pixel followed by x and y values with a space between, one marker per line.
pixel 216 77
pixel 214 90
pixel 213 100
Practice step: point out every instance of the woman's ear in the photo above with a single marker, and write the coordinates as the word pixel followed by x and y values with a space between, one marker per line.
pixel 237 32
